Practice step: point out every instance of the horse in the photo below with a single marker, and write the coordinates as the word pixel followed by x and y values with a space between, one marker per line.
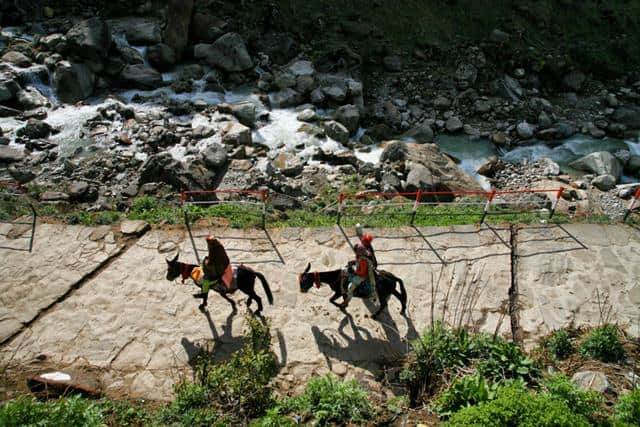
pixel 245 280
pixel 385 284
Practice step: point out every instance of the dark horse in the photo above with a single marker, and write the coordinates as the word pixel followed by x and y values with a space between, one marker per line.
pixel 385 284
pixel 245 280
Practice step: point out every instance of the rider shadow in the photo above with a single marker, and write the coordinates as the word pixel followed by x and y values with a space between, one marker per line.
pixel 362 347
pixel 219 348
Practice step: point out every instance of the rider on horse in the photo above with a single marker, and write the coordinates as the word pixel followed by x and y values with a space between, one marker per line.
pixel 216 269
pixel 362 269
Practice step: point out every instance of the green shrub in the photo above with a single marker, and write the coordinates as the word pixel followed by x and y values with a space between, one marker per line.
pixel 72 411
pixel 627 411
pixel 331 401
pixel 273 418
pixel 500 360
pixel 559 344
pixel 191 407
pixel 465 391
pixel 515 406
pixel 586 403
pixel 124 414
pixel 603 344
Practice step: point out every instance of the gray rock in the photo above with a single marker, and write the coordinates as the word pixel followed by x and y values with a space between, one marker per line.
pixel 524 130
pixel 317 97
pixel 592 380
pixel 215 156
pixel 633 165
pixel 420 178
pixel 237 134
pixel 73 82
pixel 600 163
pixel 134 227
pixel 312 130
pixel 302 68
pixel 482 106
pixel 54 196
pixel 90 40
pixel 392 63
pixel 228 53
pixel 508 87
pixel 394 151
pixel 390 183
pixel 574 80
pixel 161 57
pixel 307 115
pixel 176 33
pixel 34 129
pixel 78 190
pixel 604 182
pixel 629 116
pixel 454 125
pixel 336 93
pixel 16 58
pixel 420 133
pixel 442 103
pixel 21 175
pixel 349 116
pixel 551 168
pixel 244 111
pixel 283 203
pixel 498 36
pixel 139 31
pixel 10 154
pixel 466 75
pixel 354 87
pixel 623 156
pixel 30 99
pixel 336 131
pixel 164 168
pixel 285 80
pixel 544 121
pixel 141 76
pixel 305 84
pixel 285 98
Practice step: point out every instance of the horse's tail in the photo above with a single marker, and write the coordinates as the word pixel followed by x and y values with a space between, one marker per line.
pixel 403 293
pixel 265 285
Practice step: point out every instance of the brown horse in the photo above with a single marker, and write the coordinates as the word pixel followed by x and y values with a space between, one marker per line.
pixel 245 279
pixel 385 284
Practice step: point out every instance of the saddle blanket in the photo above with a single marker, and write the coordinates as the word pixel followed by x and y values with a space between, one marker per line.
pixel 229 278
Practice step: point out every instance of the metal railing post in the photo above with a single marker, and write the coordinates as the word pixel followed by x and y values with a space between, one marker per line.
pixel 631 206
pixel 487 205
pixel 264 209
pixel 340 201
pixel 193 243
pixel 555 202
pixel 415 206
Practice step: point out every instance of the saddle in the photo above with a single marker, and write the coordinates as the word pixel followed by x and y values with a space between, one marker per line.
pixel 227 283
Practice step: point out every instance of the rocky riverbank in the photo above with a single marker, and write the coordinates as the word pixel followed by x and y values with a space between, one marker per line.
pixel 98 111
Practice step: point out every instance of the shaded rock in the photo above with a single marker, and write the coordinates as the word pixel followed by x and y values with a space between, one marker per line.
pixel 390 183
pixel 574 80
pixel 56 384
pixel 604 182
pixel 141 76
pixel 420 133
pixel 600 163
pixel 336 93
pixel 336 131
pixel 237 134
pixel 312 130
pixel 54 196
pixel 421 178
pixel 591 380
pixel 285 98
pixel 285 80
pixel 392 63
pixel 21 175
pixel 305 84
pixel 454 125
pixel 498 36
pixel 215 156
pixel 54 42
pixel 176 33
pixel 392 114
pixel 161 57
pixel 34 129
pixel 134 227
pixel 302 68
pixel 628 116
pixel 228 53
pixel 30 99
pixel 550 167
pixel 466 75
pixel 349 116
pixel 73 82
pixel 289 165
pixel 441 103
pixel 16 58
pixel 206 28
pixel 508 87
pixel 524 130
pixel 245 111
pixel 283 203
pixel 90 40
pixel 490 167
pixel 482 106
pixel 317 97
pixel 633 165
pixel 395 151
pixel 281 47
pixel 10 154
pixel 80 191
pixel 139 31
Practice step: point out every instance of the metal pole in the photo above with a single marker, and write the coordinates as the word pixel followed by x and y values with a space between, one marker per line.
pixel 193 243
pixel 264 209
pixel 631 205
pixel 340 200
pixel 415 206
pixel 33 227
pixel 487 205
pixel 555 202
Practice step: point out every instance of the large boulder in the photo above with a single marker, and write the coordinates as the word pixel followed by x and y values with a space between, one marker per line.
pixel 633 165
pixel 599 163
pixel 628 116
pixel 466 75
pixel 237 134
pixel 9 87
pixel 420 133
pixel 574 81
pixel 206 28
pixel 16 58
pixel 349 116
pixel 604 182
pixel 10 154
pixel 244 111
pixel 138 31
pixel 34 129
pixel 285 98
pixel 228 53
pixel 30 99
pixel 164 168
pixel 215 156
pixel 524 130
pixel 140 76
pixel 161 57
pixel 336 131
pixel 176 33
pixel 302 68
pixel 90 40
pixel 73 82
pixel 454 125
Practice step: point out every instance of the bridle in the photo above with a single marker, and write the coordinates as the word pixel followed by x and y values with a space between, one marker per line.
pixel 316 278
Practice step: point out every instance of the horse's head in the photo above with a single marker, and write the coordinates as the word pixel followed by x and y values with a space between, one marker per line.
pixel 306 279
pixel 173 268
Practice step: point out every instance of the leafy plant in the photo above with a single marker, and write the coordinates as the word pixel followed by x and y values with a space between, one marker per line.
pixel 587 403
pixel 71 411
pixel 559 344
pixel 331 401
pixel 125 415
pixel 603 344
pixel 273 418
pixel 627 411
pixel 191 407
pixel 464 391
pixel 516 406
pixel 500 360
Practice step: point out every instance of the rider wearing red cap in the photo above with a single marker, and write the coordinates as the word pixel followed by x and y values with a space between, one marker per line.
pixel 362 268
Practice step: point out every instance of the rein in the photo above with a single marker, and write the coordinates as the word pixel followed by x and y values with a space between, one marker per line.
pixel 316 279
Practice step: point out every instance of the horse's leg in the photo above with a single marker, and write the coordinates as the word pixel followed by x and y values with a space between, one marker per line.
pixel 335 296
pixel 384 299
pixel 232 302
pixel 396 294
pixel 258 300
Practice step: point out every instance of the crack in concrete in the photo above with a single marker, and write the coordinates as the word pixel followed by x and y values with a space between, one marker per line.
pixel 77 285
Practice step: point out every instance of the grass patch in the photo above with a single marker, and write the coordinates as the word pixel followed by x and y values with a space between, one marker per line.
pixel 71 411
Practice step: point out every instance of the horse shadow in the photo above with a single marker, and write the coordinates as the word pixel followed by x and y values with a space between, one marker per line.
pixel 361 348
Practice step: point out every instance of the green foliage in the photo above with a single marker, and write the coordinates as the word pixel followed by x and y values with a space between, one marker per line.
pixel 586 403
pixel 464 391
pixel 71 411
pixel 273 418
pixel 191 407
pixel 123 414
pixel 603 344
pixel 627 411
pixel 515 406
pixel 559 344
pixel 499 359
pixel 96 218
pixel 331 401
